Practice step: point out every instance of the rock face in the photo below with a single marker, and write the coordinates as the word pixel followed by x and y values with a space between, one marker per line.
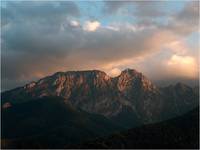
pixel 130 94
pixel 140 93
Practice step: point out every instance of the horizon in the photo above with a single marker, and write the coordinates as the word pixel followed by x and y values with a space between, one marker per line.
pixel 158 39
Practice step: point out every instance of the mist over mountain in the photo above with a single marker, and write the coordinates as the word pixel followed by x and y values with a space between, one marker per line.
pixel 167 82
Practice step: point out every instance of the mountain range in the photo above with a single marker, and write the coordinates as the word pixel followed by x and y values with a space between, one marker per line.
pixel 65 104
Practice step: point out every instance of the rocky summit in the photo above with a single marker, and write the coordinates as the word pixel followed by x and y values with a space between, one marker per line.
pixel 129 98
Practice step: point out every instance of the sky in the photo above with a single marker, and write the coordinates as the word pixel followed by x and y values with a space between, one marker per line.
pixel 39 38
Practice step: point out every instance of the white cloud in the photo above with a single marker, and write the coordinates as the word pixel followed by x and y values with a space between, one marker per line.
pixel 91 26
pixel 126 26
pixel 74 23
pixel 112 28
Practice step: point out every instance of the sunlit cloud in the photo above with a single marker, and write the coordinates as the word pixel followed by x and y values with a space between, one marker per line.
pixel 184 66
pixel 91 25
pixel 178 47
pixel 114 72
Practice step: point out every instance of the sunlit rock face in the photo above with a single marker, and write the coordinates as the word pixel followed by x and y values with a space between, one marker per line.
pixel 141 93
pixel 130 94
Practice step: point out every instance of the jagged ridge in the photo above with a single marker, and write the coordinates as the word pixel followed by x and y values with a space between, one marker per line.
pixel 129 94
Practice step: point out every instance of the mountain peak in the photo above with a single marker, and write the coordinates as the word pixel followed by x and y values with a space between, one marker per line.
pixel 130 72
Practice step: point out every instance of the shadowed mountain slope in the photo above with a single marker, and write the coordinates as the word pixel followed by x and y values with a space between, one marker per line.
pixel 52 122
pixel 180 132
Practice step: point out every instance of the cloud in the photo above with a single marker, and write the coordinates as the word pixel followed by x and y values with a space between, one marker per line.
pixel 114 72
pixel 186 21
pixel 115 28
pixel 37 52
pixel 184 66
pixel 140 9
pixel 189 13
pixel 91 26
pixel 114 6
pixel 180 60
pixel 147 9
pixel 150 13
pixel 46 37
pixel 75 49
pixel 42 12
pixel 178 47
pixel 74 23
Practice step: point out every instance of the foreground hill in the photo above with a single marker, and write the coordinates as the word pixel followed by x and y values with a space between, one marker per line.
pixel 180 132
pixel 50 122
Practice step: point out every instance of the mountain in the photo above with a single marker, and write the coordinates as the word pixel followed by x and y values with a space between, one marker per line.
pixel 130 98
pixel 178 99
pixel 69 108
pixel 52 123
pixel 181 133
